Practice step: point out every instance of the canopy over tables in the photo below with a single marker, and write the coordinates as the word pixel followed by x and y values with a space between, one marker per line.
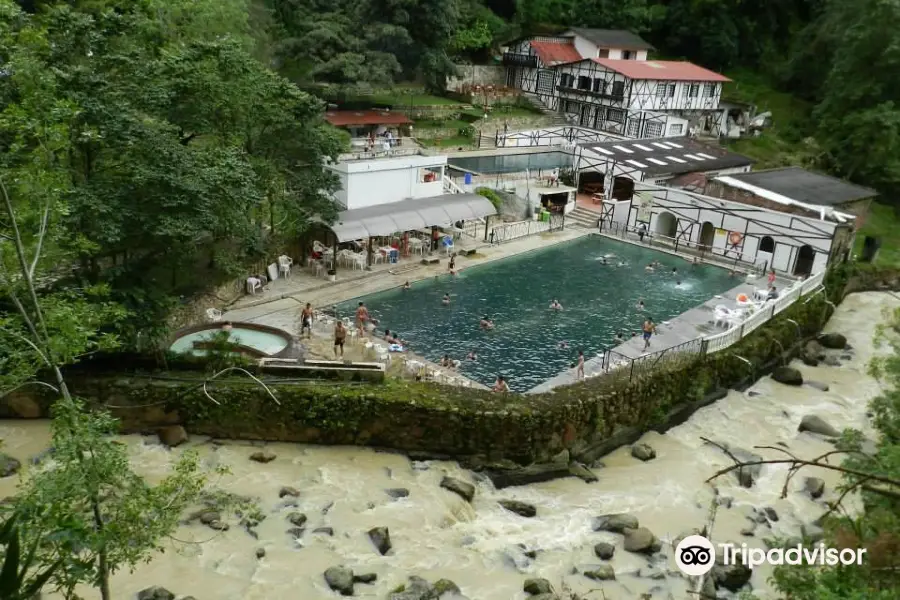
pixel 409 215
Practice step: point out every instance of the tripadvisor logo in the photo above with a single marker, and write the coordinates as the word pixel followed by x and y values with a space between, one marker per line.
pixel 696 555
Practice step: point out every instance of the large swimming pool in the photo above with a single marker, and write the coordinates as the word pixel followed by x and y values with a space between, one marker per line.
pixel 512 163
pixel 598 300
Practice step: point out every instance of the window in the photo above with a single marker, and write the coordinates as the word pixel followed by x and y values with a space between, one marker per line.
pixel 584 83
pixel 654 129
pixel 545 82
pixel 599 117
pixel 616 115
pixel 629 54
pixel 633 128
pixel 571 107
pixel 661 89
pixel 671 90
pixel 691 90
pixel 618 89
pixel 676 129
pixel 599 86
pixel 709 89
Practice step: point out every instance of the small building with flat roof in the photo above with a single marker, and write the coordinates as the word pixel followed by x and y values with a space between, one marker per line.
pixel 794 190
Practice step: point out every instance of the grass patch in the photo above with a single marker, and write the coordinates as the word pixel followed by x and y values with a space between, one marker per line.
pixel 456 141
pixel 785 143
pixel 883 223
pixel 401 96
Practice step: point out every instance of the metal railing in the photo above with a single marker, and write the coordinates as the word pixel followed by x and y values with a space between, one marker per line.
pixel 616 364
pixel 513 231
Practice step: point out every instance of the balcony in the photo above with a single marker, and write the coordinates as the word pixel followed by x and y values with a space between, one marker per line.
pixel 513 59
pixel 591 93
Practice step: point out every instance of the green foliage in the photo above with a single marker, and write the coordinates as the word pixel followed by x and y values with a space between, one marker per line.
pixel 88 511
pixel 18 581
pixel 883 223
pixel 491 195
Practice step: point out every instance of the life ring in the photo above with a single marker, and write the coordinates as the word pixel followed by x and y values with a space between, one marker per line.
pixel 735 238
pixel 742 298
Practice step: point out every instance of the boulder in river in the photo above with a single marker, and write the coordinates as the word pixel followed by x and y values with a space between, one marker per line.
pixel 465 490
pixel 582 472
pixel 297 519
pixel 815 487
pixel 260 553
pixel 616 523
pixel 416 588
pixel 833 341
pixel 173 435
pixel 288 491
pixel 770 513
pixel 365 578
pixel 523 509
pixel 340 579
pixel 263 456
pixel 818 385
pixel 24 407
pixel 641 541
pixel 816 424
pixel 397 493
pixel 8 465
pixel 381 538
pixel 445 586
pixel 155 593
pixel 787 376
pixel 814 350
pixel 503 478
pixel 324 531
pixel 604 550
pixel 731 577
pixel 601 573
pixel 643 452
pixel 537 586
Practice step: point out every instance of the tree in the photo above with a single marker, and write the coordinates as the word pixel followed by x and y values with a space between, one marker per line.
pixel 18 580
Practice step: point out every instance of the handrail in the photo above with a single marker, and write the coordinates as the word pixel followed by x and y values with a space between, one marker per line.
pixel 450 186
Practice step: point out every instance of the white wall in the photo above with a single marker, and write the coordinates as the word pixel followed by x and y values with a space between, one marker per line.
pixel 649 100
pixel 386 180
pixel 789 232
pixel 618 54
pixel 585 48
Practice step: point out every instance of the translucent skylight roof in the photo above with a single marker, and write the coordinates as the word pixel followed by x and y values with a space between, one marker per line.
pixel 624 149
pixel 636 164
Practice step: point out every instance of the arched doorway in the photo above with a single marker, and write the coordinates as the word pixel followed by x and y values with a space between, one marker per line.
pixel 666 225
pixel 767 244
pixel 805 258
pixel 707 235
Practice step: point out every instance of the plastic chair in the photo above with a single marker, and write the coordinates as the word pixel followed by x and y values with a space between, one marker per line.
pixel 448 244
pixel 253 284
pixel 284 265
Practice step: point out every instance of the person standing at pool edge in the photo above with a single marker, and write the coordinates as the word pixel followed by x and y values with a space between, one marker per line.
pixel 362 316
pixel 579 373
pixel 306 318
pixel 649 329
pixel 340 334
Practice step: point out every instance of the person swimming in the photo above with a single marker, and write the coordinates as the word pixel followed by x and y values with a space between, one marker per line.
pixel 619 338
pixel 674 270
pixel 472 356
pixel 562 345
pixel 678 283
pixel 406 286
pixel 649 267
pixel 640 305
pixel 555 305
pixel 486 323
pixel 445 300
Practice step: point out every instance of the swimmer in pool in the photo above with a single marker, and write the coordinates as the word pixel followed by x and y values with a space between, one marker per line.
pixel 562 345
pixel 649 268
pixel 555 305
pixel 446 300
pixel 640 305
pixel 472 356
pixel 406 286
pixel 486 323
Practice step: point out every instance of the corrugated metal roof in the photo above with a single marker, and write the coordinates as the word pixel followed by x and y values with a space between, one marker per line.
pixel 613 38
pixel 664 70
pixel 553 53
pixel 669 156
pixel 806 186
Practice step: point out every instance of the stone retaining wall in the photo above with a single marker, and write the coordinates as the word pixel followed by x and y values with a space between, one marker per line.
pixel 426 419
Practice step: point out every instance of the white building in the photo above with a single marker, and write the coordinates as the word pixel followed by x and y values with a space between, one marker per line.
pixel 759 238
pixel 376 181
pixel 604 80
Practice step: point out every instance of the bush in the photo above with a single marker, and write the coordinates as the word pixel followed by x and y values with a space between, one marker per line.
pixel 491 195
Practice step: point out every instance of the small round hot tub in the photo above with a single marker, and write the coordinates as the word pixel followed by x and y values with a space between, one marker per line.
pixel 249 339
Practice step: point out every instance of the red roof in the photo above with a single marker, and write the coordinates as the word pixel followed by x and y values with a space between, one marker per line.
pixel 668 70
pixel 355 118
pixel 552 53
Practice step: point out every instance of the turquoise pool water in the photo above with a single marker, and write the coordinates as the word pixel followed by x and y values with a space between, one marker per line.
pixel 263 341
pixel 512 163
pixel 598 301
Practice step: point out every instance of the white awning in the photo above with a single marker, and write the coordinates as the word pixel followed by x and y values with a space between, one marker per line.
pixel 406 215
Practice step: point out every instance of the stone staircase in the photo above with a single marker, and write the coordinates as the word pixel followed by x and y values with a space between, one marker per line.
pixel 583 217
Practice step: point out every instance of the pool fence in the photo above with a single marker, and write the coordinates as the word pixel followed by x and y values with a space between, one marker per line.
pixel 629 368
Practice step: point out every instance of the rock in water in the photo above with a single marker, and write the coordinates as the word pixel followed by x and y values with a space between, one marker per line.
pixel 604 550
pixel 815 487
pixel 463 489
pixel 416 588
pixel 298 519
pixel 538 473
pixel 748 474
pixel 582 472
pixel 833 341
pixel 8 465
pixel 643 452
pixel 155 593
pixel 288 491
pixel 365 578
pixel 23 407
pixel 537 586
pixel 771 514
pixel 397 493
pixel 340 579
pixel 263 456
pixel 260 553
pixel 172 436
pixel 822 387
pixel 641 540
pixel 601 573
pixel 523 509
pixel 616 523
pixel 787 376
pixel 731 577
pixel 816 424
pixel 324 530
pixel 381 538
pixel 445 586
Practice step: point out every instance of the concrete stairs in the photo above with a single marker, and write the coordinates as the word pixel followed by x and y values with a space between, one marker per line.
pixel 582 217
